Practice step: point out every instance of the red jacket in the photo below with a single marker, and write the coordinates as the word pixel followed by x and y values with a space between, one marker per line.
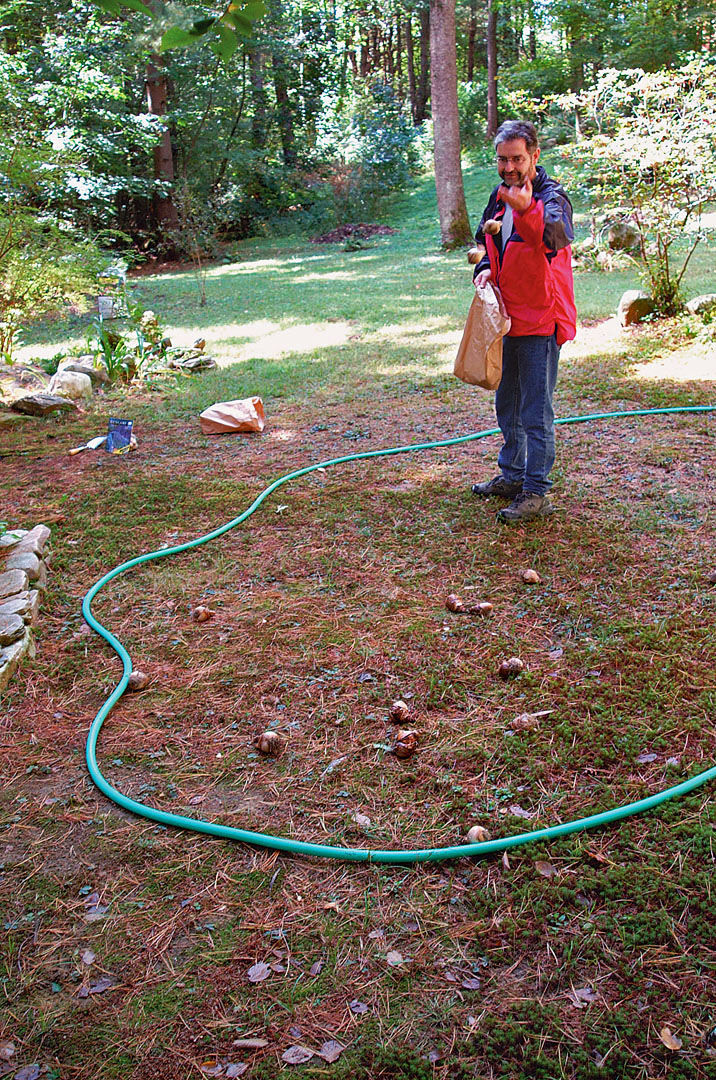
pixel 534 272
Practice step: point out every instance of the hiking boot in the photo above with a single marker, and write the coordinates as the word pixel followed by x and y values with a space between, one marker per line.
pixel 497 486
pixel 526 507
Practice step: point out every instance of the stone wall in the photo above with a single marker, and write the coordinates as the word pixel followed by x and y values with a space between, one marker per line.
pixel 24 559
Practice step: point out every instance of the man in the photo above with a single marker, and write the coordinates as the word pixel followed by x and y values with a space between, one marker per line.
pixel 529 259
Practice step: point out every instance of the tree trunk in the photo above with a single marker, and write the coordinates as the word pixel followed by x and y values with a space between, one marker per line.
pixel 454 222
pixel 399 56
pixel 279 68
pixel 284 114
pixel 532 35
pixel 412 90
pixel 424 82
pixel 224 164
pixel 471 34
pixel 364 56
pixel 491 43
pixel 157 94
pixel 258 92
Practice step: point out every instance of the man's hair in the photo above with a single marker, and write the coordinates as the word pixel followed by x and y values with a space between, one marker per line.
pixel 518 129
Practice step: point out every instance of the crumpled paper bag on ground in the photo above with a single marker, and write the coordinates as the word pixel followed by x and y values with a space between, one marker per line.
pixel 479 357
pixel 224 417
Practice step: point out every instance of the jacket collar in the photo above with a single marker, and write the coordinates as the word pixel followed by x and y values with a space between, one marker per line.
pixel 540 179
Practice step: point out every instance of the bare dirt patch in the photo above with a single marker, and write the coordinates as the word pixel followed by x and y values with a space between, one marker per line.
pixel 361 231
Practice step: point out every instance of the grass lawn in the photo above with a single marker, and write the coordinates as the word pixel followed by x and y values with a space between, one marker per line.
pixel 131 950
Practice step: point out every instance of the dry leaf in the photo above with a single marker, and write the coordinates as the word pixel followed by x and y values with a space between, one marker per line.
pixel 360 819
pixel 358 1007
pixel 106 982
pixel 584 994
pixel 518 811
pixel 87 957
pixel 472 983
pixel 296 1055
pixel 237 1068
pixel 394 959
pixel 331 1051
pixel 529 721
pixel 316 969
pixel 211 1069
pixel 671 1042
pixel 646 759
pixel 250 1044
pixel 7 1051
pixel 29 1072
pixel 258 972
pixel 546 869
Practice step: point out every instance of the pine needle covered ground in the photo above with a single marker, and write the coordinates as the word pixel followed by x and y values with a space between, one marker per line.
pixel 135 951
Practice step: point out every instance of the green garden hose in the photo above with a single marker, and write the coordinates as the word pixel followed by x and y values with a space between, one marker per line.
pixel 301 847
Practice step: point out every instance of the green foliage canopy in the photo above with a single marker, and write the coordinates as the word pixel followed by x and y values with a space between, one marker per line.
pixel 651 156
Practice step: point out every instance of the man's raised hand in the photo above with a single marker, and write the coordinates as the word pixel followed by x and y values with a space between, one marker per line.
pixel 519 198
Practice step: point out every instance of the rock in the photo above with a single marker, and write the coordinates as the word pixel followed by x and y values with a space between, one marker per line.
pixel 17 605
pixel 623 236
pixel 22 556
pixel 11 538
pixel 196 361
pixel 85 366
pixel 33 613
pixel 11 656
pixel 634 306
pixel 702 305
pixel 75 385
pixel 27 561
pixel 35 540
pixel 13 581
pixel 41 581
pixel 42 404
pixel 9 419
pixel 17 379
pixel 12 627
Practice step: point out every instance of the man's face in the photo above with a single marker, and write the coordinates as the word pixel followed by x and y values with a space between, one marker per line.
pixel 515 163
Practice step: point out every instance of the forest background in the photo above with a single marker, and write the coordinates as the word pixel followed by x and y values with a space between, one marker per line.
pixel 297 117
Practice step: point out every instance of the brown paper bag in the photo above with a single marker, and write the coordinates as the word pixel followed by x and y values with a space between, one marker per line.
pixel 479 358
pixel 227 416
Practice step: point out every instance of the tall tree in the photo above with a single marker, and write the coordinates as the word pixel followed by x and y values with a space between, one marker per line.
pixel 452 209
pixel 491 46
pixel 418 84
pixel 424 83
pixel 157 97
pixel 471 35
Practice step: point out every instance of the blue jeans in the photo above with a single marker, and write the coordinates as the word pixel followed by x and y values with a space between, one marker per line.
pixel 523 404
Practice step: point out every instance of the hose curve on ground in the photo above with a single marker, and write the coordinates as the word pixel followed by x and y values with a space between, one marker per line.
pixel 278 843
